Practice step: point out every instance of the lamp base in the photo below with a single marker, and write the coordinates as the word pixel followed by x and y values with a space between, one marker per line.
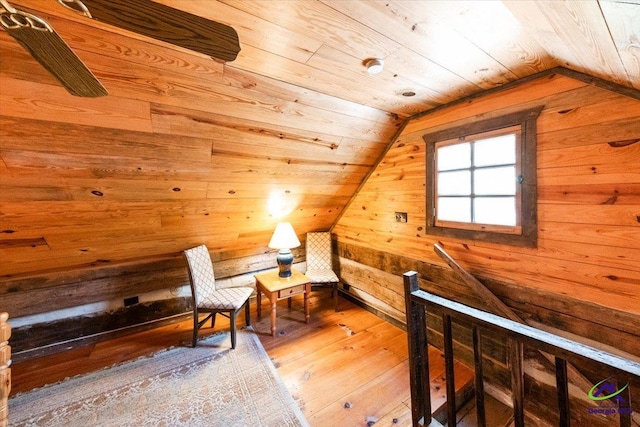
pixel 284 260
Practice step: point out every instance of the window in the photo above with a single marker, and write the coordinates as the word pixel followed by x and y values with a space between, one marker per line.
pixel 481 180
pixel 476 181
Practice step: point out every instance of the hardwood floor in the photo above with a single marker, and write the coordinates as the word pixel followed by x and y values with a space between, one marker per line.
pixel 344 368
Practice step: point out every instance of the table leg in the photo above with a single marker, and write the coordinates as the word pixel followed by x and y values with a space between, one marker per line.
pixel 273 300
pixel 307 292
pixel 259 302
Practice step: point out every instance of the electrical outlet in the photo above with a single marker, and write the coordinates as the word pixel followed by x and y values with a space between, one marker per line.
pixel 401 217
pixel 131 301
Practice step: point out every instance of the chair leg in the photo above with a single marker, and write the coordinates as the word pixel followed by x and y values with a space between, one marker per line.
pixel 194 339
pixel 232 321
pixel 334 293
pixel 247 313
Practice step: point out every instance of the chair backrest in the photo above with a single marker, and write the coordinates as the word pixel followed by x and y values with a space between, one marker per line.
pixel 318 249
pixel 203 281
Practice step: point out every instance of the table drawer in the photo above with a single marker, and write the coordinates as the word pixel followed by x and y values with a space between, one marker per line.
pixel 291 291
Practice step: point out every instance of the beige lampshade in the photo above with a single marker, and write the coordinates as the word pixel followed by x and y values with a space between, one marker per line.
pixel 284 237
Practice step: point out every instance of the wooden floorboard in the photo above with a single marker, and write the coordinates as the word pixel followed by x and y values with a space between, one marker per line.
pixel 343 368
pixel 497 414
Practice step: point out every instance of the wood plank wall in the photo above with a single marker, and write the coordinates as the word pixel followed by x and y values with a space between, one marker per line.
pixel 584 276
pixel 185 150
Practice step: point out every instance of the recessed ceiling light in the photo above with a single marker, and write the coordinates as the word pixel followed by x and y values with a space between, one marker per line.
pixel 374 65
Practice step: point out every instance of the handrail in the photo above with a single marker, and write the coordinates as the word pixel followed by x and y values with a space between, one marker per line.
pixel 418 302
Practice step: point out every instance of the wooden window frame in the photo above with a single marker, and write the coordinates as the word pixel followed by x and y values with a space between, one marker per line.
pixel 526 232
pixel 511 229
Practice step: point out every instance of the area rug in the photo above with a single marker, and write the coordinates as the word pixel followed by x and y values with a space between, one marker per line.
pixel 210 385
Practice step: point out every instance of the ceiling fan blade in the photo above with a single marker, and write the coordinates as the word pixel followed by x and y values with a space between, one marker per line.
pixel 48 48
pixel 163 23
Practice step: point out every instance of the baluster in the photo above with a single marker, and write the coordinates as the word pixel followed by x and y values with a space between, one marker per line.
pixel 563 392
pixel 516 358
pixel 624 407
pixel 448 360
pixel 479 379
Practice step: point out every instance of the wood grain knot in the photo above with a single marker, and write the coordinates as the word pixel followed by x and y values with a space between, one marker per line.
pixel 623 143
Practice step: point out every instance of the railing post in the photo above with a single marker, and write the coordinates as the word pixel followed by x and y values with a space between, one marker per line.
pixel 418 353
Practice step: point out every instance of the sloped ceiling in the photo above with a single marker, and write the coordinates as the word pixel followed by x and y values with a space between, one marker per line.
pixel 186 149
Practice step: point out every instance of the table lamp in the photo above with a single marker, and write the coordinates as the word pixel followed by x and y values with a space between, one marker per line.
pixel 284 238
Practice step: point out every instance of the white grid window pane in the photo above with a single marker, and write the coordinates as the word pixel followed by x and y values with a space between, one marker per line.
pixel 456 156
pixel 500 150
pixel 495 181
pixel 454 183
pixel 495 210
pixel 454 209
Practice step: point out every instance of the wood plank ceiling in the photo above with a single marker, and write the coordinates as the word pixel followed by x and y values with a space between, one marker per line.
pixel 187 150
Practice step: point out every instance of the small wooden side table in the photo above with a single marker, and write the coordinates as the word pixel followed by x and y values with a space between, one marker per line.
pixel 277 288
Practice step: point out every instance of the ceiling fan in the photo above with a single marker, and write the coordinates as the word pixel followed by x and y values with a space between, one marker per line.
pixel 144 17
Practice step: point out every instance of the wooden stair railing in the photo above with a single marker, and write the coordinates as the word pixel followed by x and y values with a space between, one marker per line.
pixel 5 372
pixel 418 302
pixel 498 307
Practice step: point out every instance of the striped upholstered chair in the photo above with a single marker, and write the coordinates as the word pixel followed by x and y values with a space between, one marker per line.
pixel 319 265
pixel 211 300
